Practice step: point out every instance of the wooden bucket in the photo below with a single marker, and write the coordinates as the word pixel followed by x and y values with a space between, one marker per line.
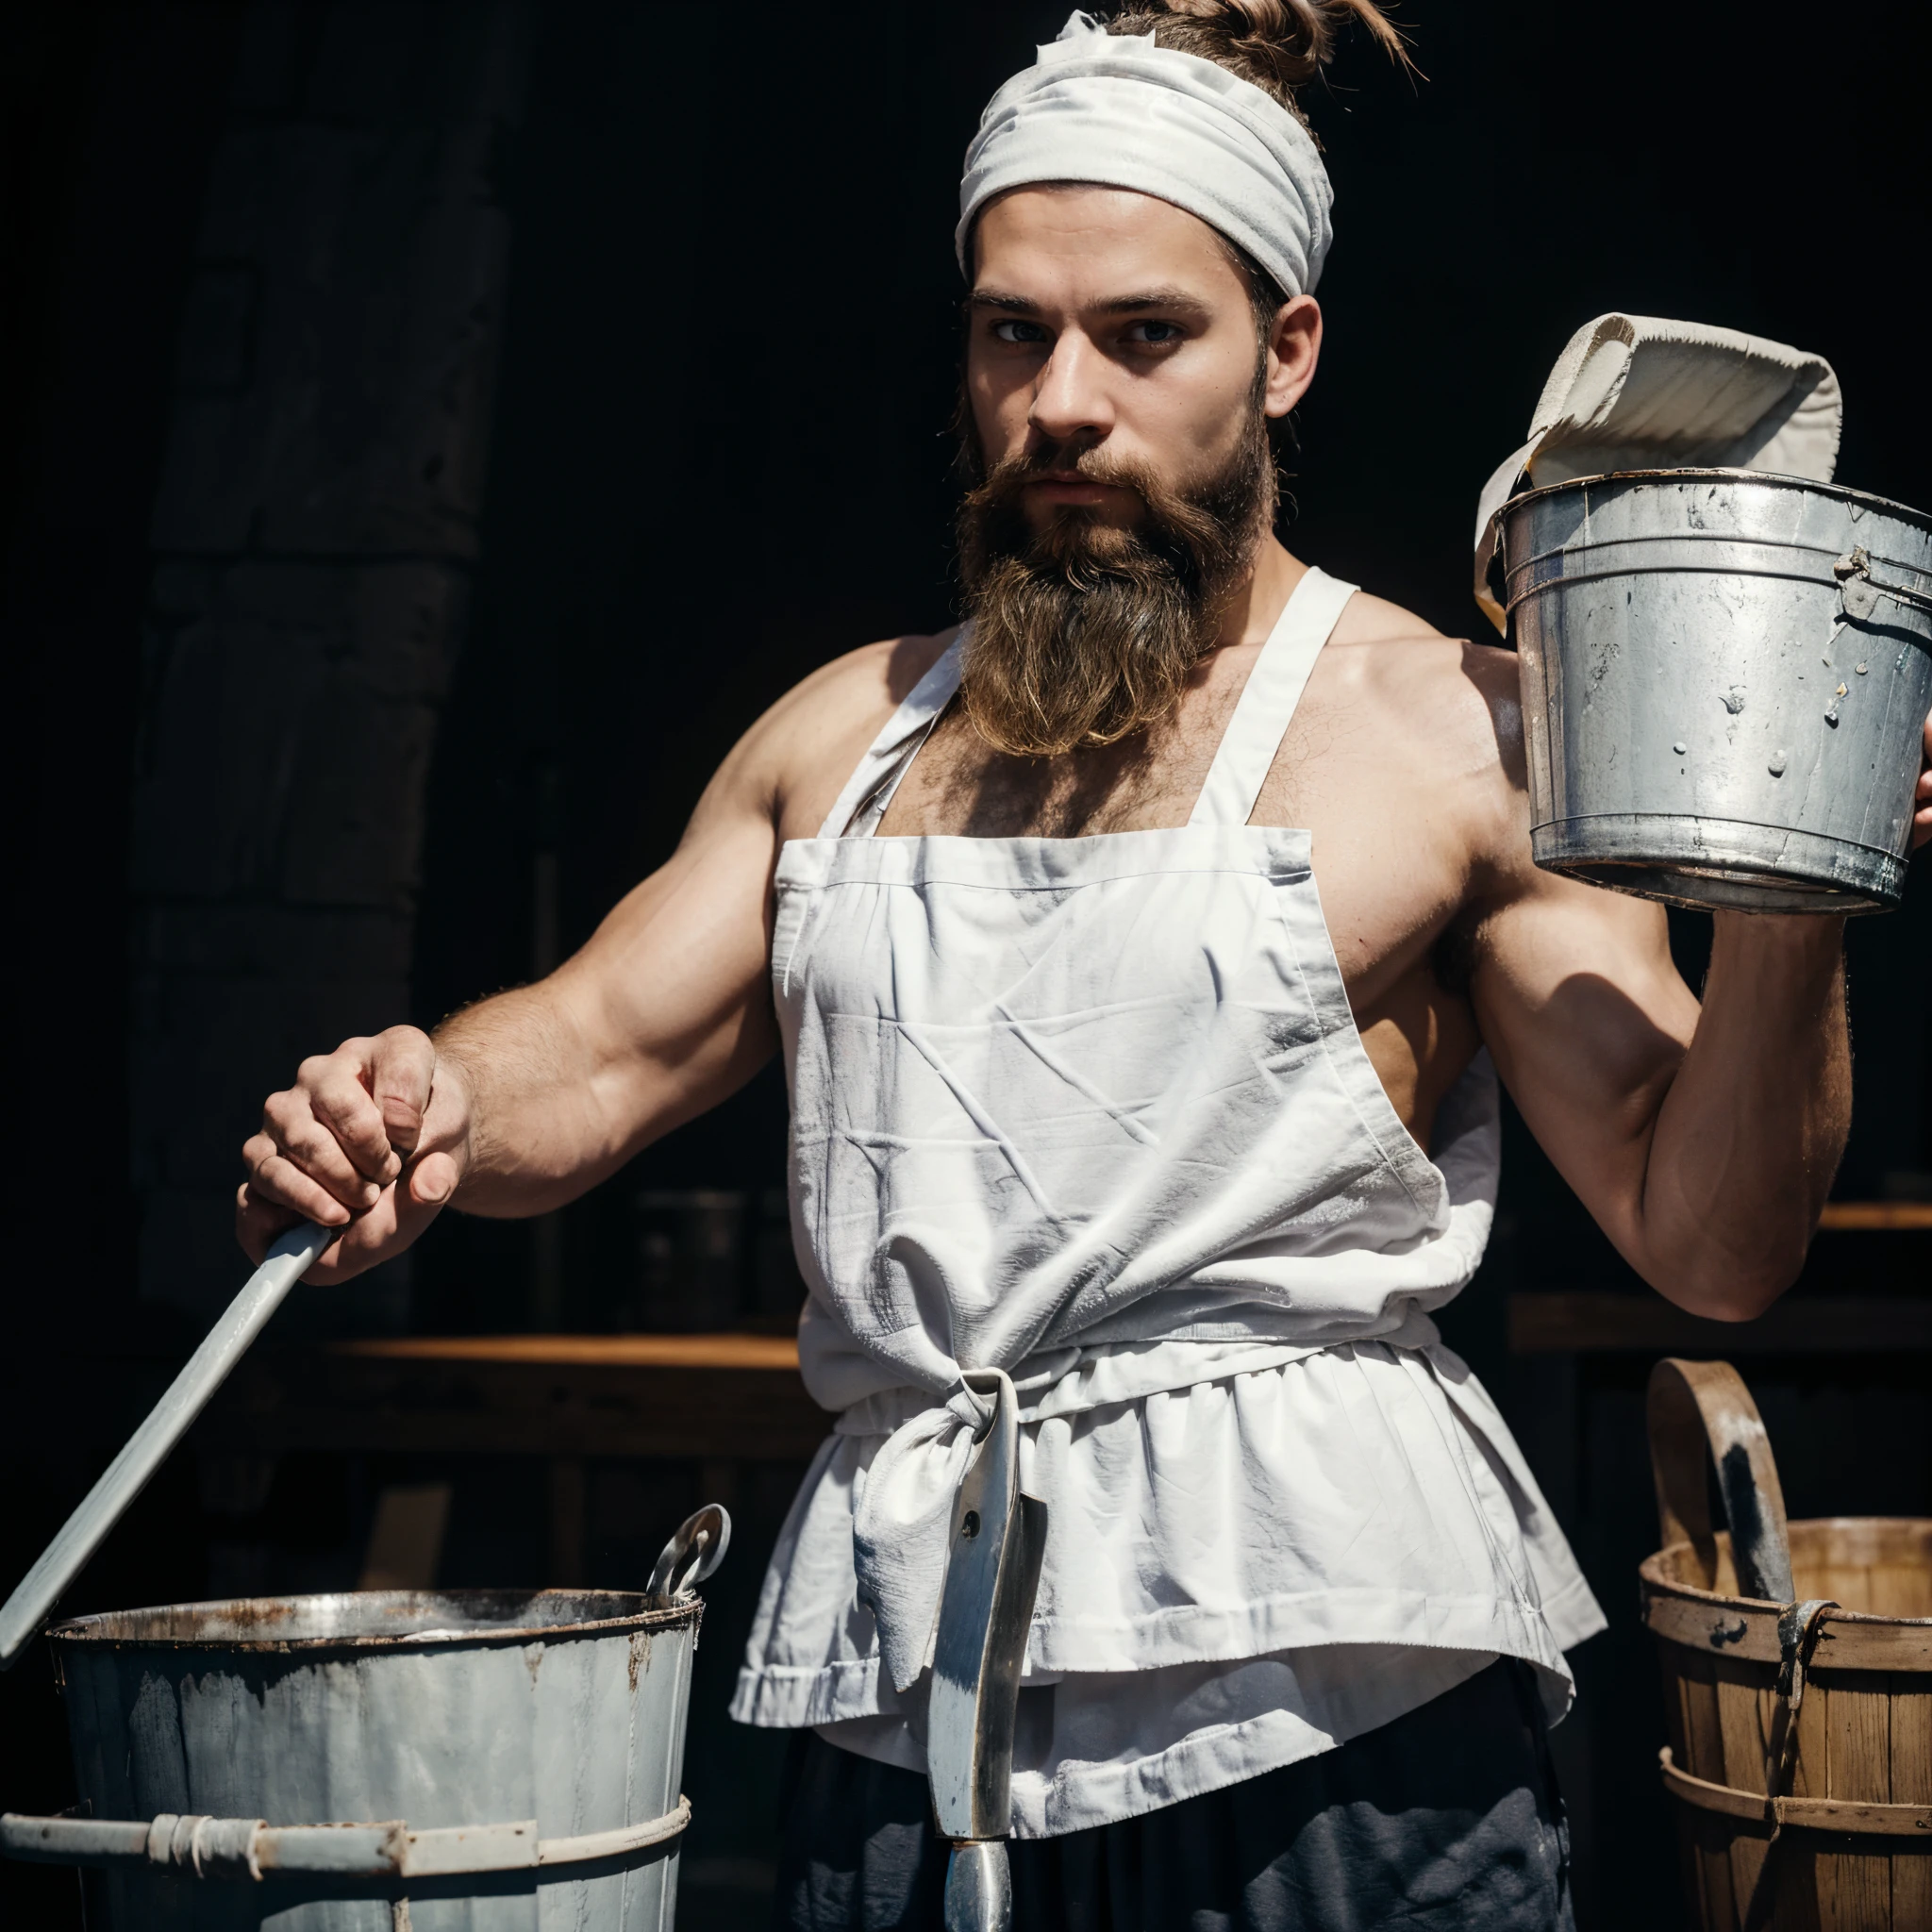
pixel 1797 1665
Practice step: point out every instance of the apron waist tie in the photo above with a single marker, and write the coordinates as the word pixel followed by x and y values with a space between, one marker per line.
pixel 902 1504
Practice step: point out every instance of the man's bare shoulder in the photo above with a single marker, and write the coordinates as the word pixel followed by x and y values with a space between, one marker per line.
pixel 799 754
pixel 1367 619
pixel 1455 694
pixel 877 676
pixel 1443 715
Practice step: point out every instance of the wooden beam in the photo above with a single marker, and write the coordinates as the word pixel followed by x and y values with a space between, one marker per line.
pixel 775 1352
pixel 1580 1322
pixel 735 1397
pixel 1851 1217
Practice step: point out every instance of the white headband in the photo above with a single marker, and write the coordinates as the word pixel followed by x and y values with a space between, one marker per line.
pixel 1118 111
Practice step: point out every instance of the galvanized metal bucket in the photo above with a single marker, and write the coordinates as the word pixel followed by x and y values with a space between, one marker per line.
pixel 455 1761
pixel 1725 676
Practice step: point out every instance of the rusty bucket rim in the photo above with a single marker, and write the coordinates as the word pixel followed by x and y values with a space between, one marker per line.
pixel 1651 1571
pixel 92 1629
pixel 1719 472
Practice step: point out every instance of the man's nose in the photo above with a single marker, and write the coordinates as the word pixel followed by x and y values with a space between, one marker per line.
pixel 1071 398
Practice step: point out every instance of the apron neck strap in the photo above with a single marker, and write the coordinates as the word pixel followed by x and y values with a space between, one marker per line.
pixel 1269 698
pixel 870 789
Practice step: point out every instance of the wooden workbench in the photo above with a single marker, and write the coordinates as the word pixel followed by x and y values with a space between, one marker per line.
pixel 702 1396
pixel 717 1400
pixel 1566 1321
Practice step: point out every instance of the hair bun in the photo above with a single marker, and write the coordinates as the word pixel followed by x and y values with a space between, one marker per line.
pixel 1279 44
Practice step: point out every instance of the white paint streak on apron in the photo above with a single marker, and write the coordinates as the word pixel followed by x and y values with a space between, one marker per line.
pixel 1095 1110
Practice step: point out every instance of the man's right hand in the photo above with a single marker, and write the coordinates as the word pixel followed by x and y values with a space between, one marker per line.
pixel 372 1139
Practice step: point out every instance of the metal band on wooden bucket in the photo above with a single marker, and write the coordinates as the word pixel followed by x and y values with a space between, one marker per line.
pixel 1813 1814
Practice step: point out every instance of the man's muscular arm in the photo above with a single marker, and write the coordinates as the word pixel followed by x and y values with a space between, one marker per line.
pixel 521 1103
pixel 1703 1141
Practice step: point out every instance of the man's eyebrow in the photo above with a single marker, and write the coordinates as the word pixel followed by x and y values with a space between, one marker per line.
pixel 1171 297
pixel 1152 298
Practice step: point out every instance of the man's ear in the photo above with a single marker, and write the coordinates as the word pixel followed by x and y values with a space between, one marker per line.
pixel 1295 346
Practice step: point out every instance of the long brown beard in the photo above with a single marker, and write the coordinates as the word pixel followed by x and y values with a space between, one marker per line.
pixel 1085 633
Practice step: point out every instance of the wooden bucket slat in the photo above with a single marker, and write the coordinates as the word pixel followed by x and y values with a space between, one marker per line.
pixel 1744 1710
pixel 1853 1889
pixel 1911 1784
pixel 1856 1886
pixel 1719 1891
pixel 1704 1846
pixel 1911 1740
pixel 1912 1891
pixel 1802 1906
pixel 1858 1708
pixel 1864 1725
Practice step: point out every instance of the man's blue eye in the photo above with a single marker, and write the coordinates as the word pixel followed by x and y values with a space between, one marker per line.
pixel 1157 331
pixel 1011 332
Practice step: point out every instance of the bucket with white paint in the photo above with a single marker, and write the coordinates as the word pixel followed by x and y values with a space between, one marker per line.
pixel 446 1762
pixel 1726 679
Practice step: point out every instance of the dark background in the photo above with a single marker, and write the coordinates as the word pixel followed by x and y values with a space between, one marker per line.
pixel 433 433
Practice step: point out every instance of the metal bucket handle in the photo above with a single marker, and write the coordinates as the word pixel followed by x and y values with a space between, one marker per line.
pixel 1697 1405
pixel 692 1554
pixel 1858 591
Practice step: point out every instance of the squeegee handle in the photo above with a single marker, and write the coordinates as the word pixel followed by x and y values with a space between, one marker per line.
pixel 124 1478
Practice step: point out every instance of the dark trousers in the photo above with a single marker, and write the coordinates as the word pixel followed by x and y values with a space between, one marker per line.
pixel 1448 1818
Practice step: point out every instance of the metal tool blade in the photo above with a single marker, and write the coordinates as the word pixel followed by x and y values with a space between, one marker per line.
pixel 986 1607
pixel 124 1478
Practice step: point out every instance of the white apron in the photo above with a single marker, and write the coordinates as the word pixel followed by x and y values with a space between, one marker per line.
pixel 1095 1111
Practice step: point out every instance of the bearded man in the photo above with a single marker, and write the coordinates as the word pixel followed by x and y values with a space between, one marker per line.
pixel 1090 1087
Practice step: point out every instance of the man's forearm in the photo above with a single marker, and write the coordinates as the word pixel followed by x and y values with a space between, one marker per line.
pixel 530 1074
pixel 1750 1130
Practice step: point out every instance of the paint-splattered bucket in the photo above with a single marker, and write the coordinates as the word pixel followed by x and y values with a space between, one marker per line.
pixel 472 1760
pixel 1725 676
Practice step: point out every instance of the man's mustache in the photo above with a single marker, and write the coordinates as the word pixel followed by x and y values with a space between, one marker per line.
pixel 1066 462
